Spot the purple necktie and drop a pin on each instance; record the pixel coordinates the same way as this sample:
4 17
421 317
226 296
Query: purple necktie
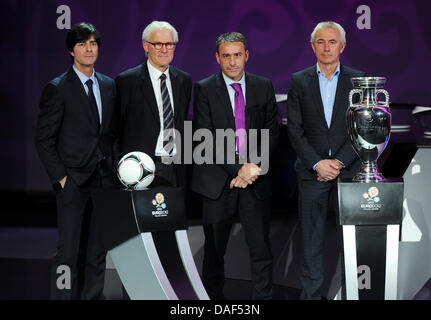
240 120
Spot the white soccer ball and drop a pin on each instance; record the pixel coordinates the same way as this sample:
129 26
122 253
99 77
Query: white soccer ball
136 170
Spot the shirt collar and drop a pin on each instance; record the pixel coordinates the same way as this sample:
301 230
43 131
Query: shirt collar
156 73
229 81
83 78
336 73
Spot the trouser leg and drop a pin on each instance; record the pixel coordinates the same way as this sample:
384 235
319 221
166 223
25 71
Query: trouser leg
255 220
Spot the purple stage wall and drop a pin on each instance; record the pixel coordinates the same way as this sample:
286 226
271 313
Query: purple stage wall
397 46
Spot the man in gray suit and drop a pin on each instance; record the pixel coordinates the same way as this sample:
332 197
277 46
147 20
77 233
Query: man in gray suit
316 111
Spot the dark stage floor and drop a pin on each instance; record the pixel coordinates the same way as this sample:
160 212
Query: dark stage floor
25 260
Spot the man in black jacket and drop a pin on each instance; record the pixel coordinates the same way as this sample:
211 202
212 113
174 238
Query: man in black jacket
235 100
154 99
76 139
316 122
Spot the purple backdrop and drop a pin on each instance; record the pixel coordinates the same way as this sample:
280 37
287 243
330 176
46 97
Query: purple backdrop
397 46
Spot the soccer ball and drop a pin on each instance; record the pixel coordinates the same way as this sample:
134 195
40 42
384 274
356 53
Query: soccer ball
136 170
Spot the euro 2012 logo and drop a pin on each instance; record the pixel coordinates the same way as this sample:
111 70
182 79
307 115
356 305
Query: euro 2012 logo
159 201
372 195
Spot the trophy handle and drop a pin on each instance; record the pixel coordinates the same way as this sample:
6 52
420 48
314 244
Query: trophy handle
352 92
386 103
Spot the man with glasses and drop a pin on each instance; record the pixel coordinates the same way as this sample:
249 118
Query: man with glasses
154 100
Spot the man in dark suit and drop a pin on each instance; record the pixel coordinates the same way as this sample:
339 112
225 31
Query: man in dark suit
76 139
154 98
233 99
316 123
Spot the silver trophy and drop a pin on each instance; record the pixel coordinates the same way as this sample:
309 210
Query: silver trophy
369 124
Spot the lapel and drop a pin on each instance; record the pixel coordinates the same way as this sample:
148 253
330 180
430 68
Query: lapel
81 96
176 91
343 85
147 89
250 98
224 99
315 92
103 96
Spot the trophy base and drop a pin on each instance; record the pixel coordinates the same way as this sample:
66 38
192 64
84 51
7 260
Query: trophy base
367 177
369 173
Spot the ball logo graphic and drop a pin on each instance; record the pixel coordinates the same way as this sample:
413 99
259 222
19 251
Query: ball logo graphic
372 194
159 201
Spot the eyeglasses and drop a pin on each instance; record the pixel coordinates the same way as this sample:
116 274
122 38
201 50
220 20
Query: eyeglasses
159 45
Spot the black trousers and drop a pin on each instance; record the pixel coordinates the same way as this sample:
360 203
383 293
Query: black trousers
78 268
165 174
314 197
254 217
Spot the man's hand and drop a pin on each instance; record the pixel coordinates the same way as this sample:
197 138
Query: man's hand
63 182
328 169
249 172
238 182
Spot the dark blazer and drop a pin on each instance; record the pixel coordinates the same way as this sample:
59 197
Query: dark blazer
213 110
140 121
307 128
67 134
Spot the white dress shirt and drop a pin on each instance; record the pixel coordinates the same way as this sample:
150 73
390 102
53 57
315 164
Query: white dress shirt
328 90
231 90
96 89
155 80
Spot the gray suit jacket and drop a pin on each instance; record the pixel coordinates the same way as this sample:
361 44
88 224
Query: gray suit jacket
307 128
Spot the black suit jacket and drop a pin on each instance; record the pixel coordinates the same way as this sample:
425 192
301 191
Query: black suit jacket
213 110
67 134
307 128
140 121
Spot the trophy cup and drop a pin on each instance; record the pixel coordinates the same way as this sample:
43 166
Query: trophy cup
369 125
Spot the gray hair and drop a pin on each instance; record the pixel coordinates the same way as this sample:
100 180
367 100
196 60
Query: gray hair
231 37
159 25
329 24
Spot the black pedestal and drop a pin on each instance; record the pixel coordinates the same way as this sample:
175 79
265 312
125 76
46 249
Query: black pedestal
145 233
370 215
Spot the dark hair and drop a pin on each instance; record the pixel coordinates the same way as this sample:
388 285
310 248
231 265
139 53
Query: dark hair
231 37
81 32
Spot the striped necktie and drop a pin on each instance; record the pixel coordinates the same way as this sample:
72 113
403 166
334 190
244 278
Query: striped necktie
168 117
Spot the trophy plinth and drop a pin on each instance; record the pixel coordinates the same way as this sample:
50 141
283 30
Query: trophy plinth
369 125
